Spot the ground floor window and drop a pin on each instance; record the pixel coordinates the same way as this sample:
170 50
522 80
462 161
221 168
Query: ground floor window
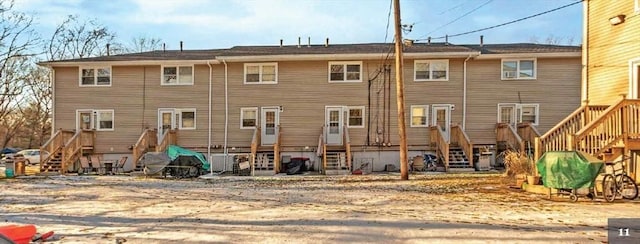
98 119
248 118
512 113
419 115
356 117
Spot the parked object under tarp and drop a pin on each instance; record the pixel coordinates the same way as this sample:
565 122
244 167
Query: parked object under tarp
175 151
298 166
154 162
184 167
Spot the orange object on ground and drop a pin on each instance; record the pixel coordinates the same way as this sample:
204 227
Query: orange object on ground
20 234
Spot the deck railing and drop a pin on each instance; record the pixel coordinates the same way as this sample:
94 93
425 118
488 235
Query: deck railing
170 137
347 145
616 124
276 150
460 137
556 139
255 142
442 144
148 139
506 133
54 145
73 147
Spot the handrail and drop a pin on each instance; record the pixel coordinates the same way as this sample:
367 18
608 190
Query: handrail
71 150
168 138
556 138
347 144
255 140
442 145
505 132
147 139
276 150
463 140
617 122
54 145
319 151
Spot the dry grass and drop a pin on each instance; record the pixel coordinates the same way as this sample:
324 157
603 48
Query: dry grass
517 163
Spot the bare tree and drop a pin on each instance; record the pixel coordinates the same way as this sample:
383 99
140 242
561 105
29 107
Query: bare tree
75 38
553 40
143 44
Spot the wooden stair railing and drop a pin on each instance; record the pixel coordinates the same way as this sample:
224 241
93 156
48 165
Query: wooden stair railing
170 137
506 133
441 143
460 137
276 150
72 151
255 142
612 128
347 145
54 146
556 138
528 132
148 139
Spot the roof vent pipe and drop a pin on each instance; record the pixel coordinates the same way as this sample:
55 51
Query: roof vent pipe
108 49
299 42
164 47
326 42
280 42
446 40
428 40
481 40
180 46
309 42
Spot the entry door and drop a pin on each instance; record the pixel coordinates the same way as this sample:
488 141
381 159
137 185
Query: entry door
85 120
166 121
442 117
334 120
634 84
270 120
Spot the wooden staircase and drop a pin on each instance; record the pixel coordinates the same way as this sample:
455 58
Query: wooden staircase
65 148
606 132
147 142
266 159
521 139
454 151
336 159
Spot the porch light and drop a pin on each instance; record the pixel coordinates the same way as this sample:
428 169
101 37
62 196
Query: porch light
616 20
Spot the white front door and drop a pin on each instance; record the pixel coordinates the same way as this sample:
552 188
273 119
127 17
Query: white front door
634 83
84 120
270 119
166 121
442 117
334 119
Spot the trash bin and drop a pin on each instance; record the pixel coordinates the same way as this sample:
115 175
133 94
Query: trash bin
20 167
9 168
484 161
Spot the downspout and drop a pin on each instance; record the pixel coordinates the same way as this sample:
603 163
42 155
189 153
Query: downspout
464 93
52 76
226 114
585 53
209 123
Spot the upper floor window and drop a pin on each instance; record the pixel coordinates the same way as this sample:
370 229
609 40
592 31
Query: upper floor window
248 118
177 75
263 73
518 69
345 71
356 117
419 115
95 76
431 70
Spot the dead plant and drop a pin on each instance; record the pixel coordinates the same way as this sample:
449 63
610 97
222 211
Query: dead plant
517 163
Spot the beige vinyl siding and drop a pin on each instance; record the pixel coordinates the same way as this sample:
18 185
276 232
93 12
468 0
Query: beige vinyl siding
127 98
610 48
556 90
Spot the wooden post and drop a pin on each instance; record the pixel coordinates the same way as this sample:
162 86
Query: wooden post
404 163
587 113
570 139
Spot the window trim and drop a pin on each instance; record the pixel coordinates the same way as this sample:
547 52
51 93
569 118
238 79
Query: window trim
518 111
426 114
179 111
255 109
429 61
514 113
260 68
97 112
344 64
361 108
95 75
177 66
637 7
518 60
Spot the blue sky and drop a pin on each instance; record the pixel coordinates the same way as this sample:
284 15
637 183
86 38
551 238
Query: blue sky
205 24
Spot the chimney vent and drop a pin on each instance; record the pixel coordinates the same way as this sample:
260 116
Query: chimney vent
446 40
481 40
280 42
428 40
326 42
309 42
164 47
299 42
108 49
180 46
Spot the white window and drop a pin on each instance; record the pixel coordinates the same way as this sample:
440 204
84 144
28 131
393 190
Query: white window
431 70
248 118
637 8
345 71
95 76
104 119
355 117
263 73
513 113
177 75
419 115
518 69
186 118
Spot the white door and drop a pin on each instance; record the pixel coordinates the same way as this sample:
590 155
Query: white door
269 123
634 83
166 121
442 117
334 119
85 120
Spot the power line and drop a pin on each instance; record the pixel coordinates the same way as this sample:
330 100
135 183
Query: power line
388 21
503 24
462 16
452 8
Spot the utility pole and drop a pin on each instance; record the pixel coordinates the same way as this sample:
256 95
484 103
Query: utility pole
404 162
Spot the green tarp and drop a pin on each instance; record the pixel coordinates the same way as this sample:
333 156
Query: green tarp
174 151
568 169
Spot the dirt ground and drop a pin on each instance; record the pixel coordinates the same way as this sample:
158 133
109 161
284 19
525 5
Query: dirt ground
429 208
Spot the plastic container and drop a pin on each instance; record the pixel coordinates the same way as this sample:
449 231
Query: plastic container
8 173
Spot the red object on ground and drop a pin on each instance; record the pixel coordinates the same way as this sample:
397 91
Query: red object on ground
43 237
20 234
357 172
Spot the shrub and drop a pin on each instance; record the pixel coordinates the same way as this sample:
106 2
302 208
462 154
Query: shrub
517 163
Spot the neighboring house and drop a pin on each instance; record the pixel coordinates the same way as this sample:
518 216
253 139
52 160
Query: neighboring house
607 125
334 104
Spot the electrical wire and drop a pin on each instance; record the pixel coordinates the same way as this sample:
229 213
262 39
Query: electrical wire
503 24
462 16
